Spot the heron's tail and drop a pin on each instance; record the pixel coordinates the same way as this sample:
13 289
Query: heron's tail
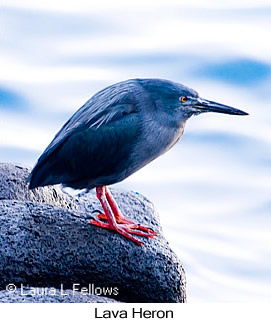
40 176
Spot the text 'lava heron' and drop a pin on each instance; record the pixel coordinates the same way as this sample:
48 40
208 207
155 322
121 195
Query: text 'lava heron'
115 133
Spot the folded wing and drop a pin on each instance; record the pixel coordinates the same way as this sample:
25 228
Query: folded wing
97 122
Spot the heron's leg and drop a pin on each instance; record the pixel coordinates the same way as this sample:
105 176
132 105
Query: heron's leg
119 217
114 207
123 229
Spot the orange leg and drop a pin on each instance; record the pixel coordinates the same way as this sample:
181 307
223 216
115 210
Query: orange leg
113 216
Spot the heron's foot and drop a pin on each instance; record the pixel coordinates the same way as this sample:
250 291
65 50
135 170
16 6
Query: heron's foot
123 220
125 230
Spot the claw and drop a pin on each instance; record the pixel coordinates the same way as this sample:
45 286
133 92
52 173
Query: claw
97 211
92 217
146 229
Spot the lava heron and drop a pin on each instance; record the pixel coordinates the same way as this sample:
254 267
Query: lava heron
115 133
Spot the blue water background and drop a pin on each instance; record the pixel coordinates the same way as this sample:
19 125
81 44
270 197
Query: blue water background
212 190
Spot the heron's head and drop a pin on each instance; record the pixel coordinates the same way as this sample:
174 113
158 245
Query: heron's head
181 101
191 104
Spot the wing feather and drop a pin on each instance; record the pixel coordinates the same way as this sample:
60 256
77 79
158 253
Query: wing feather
108 105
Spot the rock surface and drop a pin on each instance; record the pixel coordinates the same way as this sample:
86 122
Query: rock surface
41 295
46 240
14 186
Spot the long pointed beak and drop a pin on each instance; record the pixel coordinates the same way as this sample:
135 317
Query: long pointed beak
204 105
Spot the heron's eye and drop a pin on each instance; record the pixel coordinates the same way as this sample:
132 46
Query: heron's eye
183 99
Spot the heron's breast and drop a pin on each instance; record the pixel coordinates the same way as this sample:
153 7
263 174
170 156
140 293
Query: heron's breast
164 139
154 141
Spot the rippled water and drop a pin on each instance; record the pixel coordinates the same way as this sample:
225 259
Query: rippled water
212 189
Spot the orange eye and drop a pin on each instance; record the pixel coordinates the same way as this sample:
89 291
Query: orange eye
183 99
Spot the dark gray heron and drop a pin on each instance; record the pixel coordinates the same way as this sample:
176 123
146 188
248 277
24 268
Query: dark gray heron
115 133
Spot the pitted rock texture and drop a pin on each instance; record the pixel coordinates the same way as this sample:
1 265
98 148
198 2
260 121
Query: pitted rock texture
46 240
50 295
14 186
